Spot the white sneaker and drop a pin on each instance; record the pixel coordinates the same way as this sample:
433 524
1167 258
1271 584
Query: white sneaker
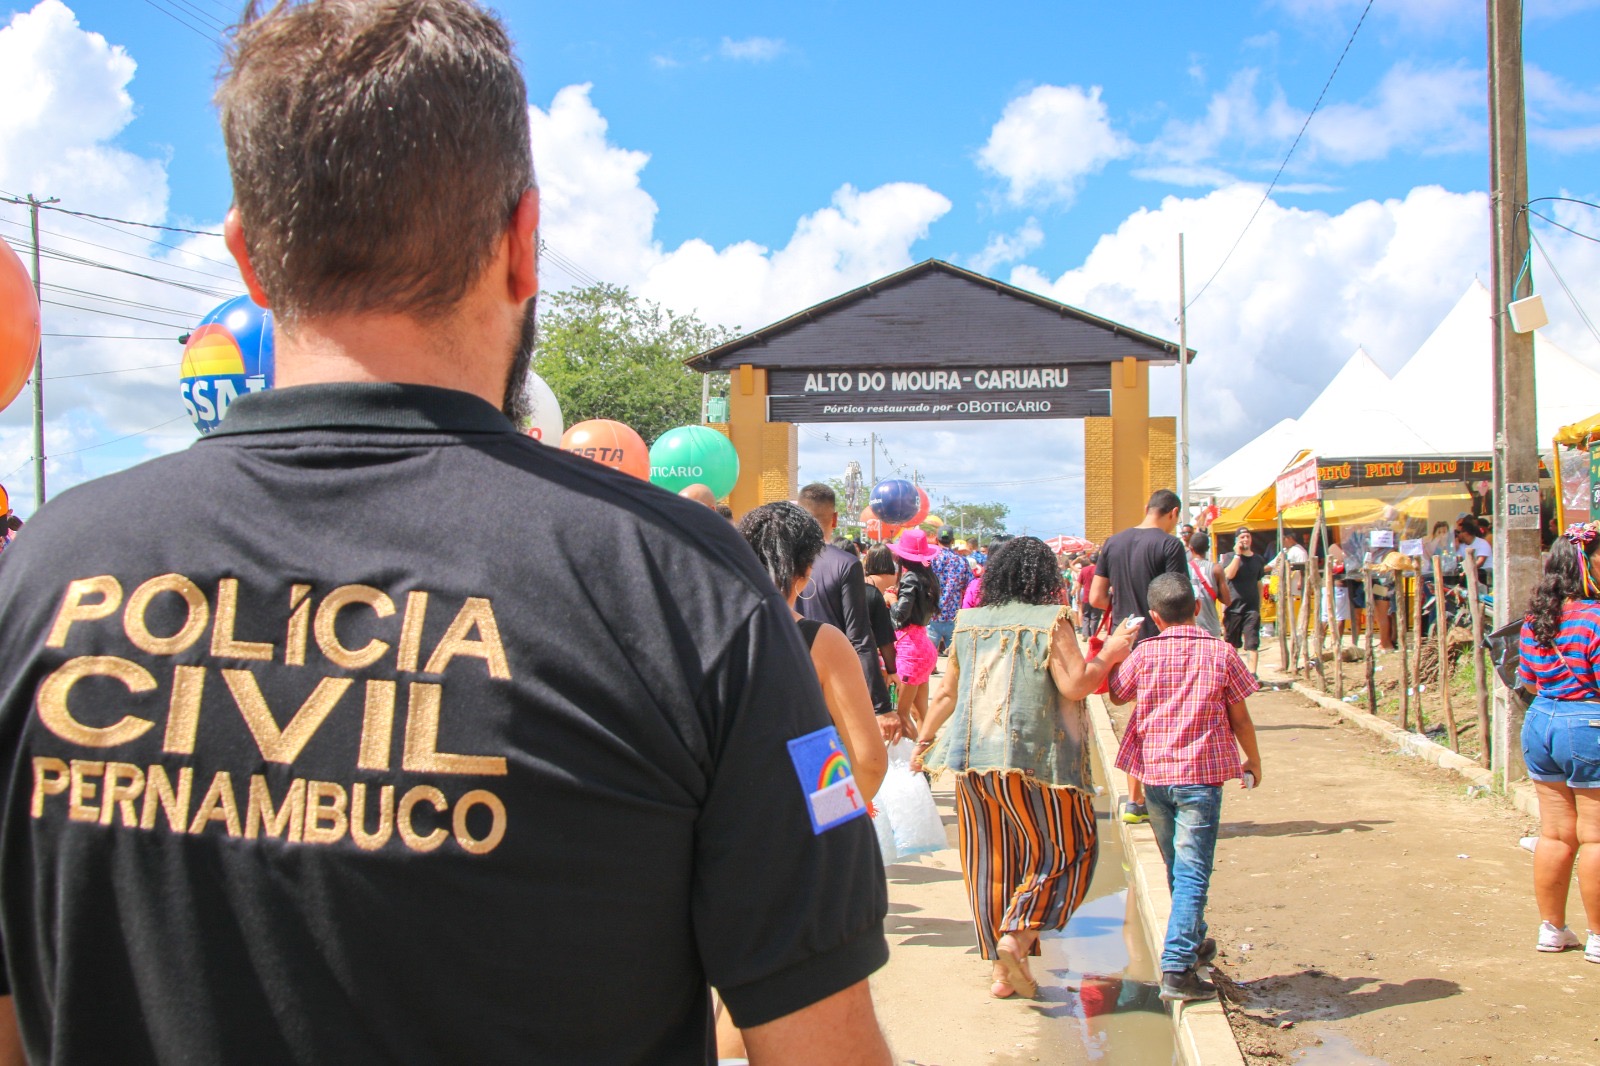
1592 952
1563 939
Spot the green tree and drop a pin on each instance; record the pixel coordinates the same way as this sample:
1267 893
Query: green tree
609 354
965 518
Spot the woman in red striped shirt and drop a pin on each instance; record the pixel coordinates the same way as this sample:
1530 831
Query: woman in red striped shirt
1560 652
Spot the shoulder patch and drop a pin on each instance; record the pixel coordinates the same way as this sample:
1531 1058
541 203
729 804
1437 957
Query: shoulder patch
826 779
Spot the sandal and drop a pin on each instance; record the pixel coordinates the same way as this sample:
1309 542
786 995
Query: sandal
1017 975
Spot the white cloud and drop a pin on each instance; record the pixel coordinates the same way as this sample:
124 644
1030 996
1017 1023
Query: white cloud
597 213
1048 140
51 68
1008 247
752 49
1411 110
1301 292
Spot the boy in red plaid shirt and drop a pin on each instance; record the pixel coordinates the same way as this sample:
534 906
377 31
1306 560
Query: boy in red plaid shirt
1183 742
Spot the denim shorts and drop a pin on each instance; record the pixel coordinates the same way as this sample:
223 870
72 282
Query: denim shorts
1561 742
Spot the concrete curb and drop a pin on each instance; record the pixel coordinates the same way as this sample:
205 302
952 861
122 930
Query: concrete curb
1419 746
1202 1032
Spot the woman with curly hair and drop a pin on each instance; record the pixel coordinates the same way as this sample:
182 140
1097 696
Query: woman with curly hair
788 540
1560 650
1018 743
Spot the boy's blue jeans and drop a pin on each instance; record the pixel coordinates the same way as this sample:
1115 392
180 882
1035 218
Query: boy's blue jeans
1185 820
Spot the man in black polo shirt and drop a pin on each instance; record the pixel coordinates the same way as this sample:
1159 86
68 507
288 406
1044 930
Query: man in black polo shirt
837 595
368 729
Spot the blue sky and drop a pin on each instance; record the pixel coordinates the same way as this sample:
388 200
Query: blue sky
746 160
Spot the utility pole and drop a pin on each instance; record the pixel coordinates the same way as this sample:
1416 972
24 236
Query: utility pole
1516 447
872 462
1183 388
34 203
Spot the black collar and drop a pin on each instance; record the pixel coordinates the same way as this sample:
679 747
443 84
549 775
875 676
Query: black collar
362 405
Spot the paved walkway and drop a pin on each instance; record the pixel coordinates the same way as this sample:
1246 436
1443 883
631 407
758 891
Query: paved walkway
1363 900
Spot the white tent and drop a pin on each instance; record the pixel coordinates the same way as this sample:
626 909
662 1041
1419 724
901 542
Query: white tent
1439 403
1446 390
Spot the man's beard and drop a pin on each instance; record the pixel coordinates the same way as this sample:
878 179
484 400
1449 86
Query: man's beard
518 404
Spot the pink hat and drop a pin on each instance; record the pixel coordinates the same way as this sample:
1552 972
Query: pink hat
913 547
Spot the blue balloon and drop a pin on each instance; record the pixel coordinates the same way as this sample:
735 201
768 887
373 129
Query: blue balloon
229 354
895 501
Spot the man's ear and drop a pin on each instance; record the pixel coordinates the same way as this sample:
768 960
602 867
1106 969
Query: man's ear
523 237
233 237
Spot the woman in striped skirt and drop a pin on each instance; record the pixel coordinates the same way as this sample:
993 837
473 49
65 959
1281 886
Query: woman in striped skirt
1009 721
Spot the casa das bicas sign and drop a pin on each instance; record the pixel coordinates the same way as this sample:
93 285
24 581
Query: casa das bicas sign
938 393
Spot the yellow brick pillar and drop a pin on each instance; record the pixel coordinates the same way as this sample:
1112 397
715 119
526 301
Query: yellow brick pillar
1097 479
1130 442
769 452
1163 454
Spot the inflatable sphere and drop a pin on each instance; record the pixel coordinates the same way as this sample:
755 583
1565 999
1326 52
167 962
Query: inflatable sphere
894 500
694 455
875 528
544 422
228 355
924 505
19 325
609 444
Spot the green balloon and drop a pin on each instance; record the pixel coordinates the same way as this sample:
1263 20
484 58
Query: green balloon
692 455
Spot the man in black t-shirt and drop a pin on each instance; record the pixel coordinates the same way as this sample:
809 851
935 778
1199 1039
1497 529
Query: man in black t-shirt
306 757
1133 558
1241 620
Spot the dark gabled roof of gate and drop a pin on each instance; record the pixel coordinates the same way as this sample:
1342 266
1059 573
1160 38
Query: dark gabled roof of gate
937 314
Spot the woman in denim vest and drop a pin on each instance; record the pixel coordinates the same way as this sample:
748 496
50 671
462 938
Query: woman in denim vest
1560 653
1010 722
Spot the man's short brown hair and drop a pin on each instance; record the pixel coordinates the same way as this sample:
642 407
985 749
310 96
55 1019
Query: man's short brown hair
378 149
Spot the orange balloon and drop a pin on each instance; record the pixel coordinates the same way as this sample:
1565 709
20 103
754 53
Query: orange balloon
609 444
19 325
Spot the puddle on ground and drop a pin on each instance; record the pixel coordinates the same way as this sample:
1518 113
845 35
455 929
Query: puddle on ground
1102 996
1335 1050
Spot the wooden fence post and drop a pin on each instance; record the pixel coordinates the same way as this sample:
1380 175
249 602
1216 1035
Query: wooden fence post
1400 648
1443 626
1416 671
1479 681
1372 684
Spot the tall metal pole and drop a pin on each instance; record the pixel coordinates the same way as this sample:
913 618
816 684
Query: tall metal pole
1516 454
38 362
1183 388
872 451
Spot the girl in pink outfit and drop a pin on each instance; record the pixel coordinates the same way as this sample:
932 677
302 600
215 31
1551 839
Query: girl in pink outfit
916 605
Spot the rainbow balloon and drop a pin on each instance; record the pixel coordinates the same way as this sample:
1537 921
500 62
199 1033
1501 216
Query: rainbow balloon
229 354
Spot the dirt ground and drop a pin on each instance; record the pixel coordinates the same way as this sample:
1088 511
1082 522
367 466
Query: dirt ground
1365 906
1424 708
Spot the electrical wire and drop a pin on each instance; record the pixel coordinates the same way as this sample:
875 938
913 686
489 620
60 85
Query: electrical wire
113 440
112 337
1569 229
1287 156
191 27
121 370
135 255
1576 306
129 222
140 305
114 314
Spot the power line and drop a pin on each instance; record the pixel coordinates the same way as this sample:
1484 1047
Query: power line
113 314
121 370
1287 156
1569 229
135 255
116 440
1576 306
129 222
191 27
112 337
84 294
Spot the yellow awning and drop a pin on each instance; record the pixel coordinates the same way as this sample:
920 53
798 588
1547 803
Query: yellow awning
1578 434
1258 512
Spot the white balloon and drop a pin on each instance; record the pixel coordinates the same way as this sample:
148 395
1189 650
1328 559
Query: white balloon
545 424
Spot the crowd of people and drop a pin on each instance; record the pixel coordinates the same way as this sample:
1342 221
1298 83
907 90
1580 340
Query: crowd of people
307 756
